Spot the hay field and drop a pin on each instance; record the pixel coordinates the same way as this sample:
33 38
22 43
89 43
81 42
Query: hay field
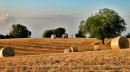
89 61
33 46
46 55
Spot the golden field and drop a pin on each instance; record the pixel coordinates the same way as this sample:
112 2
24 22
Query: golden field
46 55
33 46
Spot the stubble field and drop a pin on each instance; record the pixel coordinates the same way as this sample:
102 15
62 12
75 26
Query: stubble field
46 55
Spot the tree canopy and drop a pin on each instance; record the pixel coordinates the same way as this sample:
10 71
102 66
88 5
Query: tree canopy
19 31
128 35
80 33
58 32
47 33
104 24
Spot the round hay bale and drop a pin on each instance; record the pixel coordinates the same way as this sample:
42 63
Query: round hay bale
97 47
7 52
53 36
65 36
119 43
74 49
67 50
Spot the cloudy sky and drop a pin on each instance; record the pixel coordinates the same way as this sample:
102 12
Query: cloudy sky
39 15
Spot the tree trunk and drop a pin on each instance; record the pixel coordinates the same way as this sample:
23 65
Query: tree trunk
103 41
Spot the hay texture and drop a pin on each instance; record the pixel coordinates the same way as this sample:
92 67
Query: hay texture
53 36
67 50
7 52
65 36
74 49
120 42
97 47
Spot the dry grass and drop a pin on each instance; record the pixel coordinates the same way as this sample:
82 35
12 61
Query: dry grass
51 61
35 46
90 61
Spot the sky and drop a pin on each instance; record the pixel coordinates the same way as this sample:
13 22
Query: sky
58 7
39 15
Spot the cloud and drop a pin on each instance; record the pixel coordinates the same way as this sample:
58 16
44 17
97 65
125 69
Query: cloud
6 22
5 18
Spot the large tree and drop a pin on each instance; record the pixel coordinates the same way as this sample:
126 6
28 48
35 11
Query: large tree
104 24
19 31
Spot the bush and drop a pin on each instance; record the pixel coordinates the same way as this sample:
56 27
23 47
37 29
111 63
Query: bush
47 33
80 35
2 36
58 32
128 35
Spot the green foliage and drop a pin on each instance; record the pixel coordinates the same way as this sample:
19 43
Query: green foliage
92 36
104 24
58 32
128 35
80 35
2 36
5 36
19 31
48 33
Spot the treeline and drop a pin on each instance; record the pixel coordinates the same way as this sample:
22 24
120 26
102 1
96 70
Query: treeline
18 31
58 32
106 23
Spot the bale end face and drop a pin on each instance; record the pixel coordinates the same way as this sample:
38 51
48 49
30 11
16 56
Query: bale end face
120 42
65 36
74 49
53 36
7 52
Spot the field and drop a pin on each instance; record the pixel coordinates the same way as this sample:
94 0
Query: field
46 55
35 46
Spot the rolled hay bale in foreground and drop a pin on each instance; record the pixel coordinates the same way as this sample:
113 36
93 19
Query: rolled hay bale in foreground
120 42
53 36
67 50
74 49
7 52
65 36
